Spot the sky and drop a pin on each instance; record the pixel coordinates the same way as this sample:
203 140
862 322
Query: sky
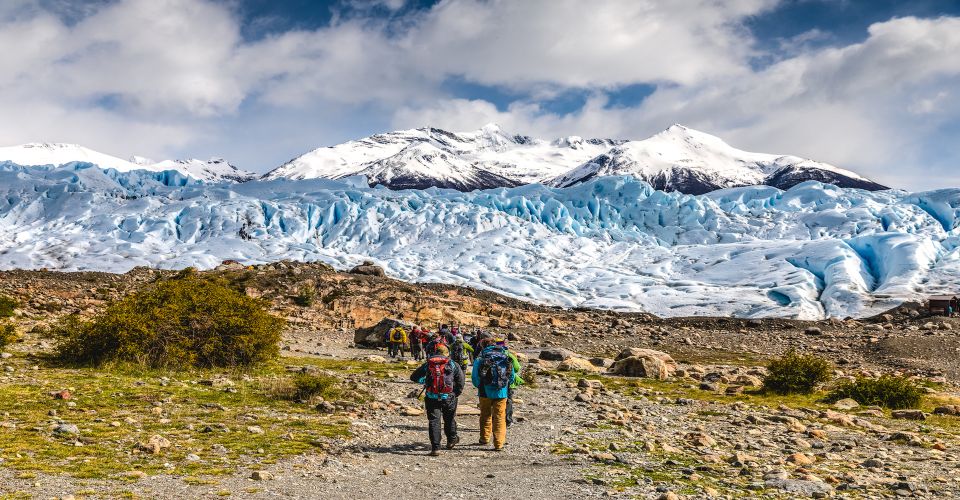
868 85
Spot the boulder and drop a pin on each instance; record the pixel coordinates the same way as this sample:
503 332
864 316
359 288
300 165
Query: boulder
368 268
644 363
376 335
577 365
908 414
556 354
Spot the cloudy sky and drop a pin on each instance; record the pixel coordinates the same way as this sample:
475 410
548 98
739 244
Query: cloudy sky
870 85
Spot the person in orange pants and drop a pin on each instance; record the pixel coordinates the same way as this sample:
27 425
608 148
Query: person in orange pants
492 375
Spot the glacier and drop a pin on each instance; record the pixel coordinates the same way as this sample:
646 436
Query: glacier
809 252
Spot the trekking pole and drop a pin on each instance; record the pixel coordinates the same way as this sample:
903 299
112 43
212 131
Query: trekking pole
422 390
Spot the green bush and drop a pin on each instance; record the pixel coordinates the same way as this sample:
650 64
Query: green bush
305 296
887 391
308 386
796 373
8 334
183 322
7 306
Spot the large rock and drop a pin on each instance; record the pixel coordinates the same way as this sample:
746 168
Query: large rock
368 269
375 336
577 365
648 363
556 354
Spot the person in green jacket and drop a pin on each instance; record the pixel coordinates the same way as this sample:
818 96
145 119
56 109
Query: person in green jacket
517 381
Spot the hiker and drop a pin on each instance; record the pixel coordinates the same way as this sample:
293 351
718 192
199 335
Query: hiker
476 343
436 341
398 339
443 381
417 341
492 375
445 333
460 351
517 381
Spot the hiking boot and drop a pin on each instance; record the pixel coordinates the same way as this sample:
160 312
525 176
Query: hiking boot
483 443
452 442
435 452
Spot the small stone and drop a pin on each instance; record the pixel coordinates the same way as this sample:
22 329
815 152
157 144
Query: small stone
192 457
813 331
154 445
908 414
411 411
701 439
800 459
254 429
66 429
846 404
63 394
261 475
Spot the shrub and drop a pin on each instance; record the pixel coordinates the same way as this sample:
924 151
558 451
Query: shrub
8 334
887 391
308 386
796 373
305 296
182 322
7 306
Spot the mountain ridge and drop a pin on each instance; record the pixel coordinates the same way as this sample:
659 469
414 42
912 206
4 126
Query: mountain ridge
677 159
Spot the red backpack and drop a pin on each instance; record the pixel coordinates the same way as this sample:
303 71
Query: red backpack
436 380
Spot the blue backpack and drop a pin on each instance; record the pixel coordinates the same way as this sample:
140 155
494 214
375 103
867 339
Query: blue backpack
496 368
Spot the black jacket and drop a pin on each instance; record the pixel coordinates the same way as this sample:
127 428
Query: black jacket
453 376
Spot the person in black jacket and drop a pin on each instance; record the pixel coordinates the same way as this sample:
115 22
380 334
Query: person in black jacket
440 396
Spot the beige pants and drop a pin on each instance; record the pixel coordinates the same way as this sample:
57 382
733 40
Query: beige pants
493 420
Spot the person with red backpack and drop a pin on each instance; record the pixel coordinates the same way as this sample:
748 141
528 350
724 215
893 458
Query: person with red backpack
443 381
492 375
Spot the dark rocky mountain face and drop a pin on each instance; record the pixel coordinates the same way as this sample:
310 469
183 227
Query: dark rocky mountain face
788 177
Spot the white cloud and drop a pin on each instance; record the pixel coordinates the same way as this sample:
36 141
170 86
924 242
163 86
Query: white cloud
871 106
159 76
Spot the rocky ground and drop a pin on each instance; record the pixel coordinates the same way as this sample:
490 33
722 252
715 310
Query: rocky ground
703 432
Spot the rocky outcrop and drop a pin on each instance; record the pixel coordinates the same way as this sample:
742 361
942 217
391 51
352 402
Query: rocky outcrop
368 268
648 363
376 335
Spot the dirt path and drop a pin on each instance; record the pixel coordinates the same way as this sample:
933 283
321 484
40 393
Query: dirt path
386 458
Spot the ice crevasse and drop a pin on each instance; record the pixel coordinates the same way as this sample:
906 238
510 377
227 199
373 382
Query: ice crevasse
809 252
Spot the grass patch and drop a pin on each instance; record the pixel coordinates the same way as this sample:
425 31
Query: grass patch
114 410
887 391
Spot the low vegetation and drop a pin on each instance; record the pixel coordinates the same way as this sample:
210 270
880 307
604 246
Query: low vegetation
215 421
306 296
796 373
7 306
8 334
887 391
182 322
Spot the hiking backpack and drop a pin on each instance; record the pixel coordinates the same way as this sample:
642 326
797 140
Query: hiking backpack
496 368
436 381
456 351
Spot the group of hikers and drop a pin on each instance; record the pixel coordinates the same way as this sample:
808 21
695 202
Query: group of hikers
495 372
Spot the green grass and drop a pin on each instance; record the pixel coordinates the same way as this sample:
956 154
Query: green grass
118 392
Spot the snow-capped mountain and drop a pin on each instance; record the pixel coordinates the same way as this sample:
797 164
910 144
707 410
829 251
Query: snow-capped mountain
692 162
677 159
489 157
811 251
423 165
57 154
212 170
